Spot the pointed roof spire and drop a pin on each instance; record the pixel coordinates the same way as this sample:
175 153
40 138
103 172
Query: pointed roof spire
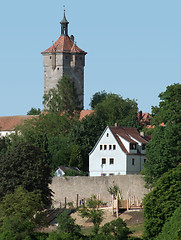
64 20
64 26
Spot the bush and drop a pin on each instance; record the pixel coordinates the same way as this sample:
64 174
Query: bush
172 227
160 204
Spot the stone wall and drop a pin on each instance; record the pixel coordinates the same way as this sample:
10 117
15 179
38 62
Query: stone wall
69 187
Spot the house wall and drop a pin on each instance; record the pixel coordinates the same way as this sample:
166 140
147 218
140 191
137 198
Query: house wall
138 164
69 187
95 158
6 133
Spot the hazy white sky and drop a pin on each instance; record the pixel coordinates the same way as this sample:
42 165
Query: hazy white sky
134 48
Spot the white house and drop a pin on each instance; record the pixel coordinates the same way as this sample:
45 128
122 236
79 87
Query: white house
119 150
62 170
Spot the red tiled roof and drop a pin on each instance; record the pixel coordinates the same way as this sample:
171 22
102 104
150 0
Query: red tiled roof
126 133
64 44
85 113
10 122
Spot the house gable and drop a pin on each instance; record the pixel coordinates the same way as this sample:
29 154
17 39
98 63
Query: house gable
118 151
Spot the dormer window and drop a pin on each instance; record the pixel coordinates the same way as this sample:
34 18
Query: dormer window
132 146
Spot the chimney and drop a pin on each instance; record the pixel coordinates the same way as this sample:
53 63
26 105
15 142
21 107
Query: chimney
140 115
115 124
142 134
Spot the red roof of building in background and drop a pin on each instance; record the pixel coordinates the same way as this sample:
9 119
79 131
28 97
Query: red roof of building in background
64 44
9 123
85 113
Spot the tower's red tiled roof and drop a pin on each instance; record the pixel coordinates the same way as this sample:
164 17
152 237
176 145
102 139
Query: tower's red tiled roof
64 44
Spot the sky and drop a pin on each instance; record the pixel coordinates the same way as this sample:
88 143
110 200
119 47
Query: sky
133 46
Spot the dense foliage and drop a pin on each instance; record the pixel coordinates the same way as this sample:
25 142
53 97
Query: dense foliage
23 164
34 111
98 97
114 109
164 150
169 110
160 204
172 227
20 214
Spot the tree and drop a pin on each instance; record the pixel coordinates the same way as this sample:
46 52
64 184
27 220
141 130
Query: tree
49 132
172 226
98 97
169 110
92 212
67 229
160 204
20 214
63 98
34 111
114 109
85 134
116 228
163 152
23 164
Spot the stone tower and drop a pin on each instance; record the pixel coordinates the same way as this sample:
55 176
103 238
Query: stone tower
64 57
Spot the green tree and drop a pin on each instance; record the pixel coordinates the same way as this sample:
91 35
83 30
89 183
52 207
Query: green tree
34 111
160 204
49 132
172 226
20 214
116 228
23 164
169 110
63 98
67 229
92 212
114 109
85 134
98 97
163 152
